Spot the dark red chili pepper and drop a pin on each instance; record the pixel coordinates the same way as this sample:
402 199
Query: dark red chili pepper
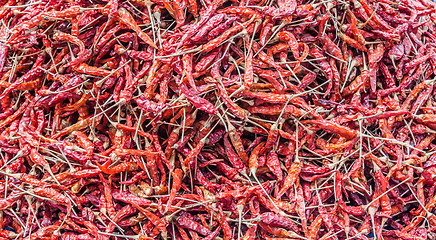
126 18
221 28
185 221
197 101
353 43
374 56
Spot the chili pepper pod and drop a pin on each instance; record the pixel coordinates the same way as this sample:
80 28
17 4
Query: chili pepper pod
217 41
253 160
126 166
125 17
290 39
274 165
277 220
357 83
374 56
353 43
3 49
232 106
186 222
53 195
291 178
177 176
198 102
208 27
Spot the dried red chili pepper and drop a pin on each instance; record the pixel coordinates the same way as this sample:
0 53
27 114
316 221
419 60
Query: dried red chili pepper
374 56
246 64
353 43
177 176
126 18
186 222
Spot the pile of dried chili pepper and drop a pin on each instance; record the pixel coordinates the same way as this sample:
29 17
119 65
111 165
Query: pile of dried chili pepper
217 119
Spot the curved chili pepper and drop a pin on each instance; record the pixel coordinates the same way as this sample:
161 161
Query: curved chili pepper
325 66
241 11
197 101
126 18
353 43
122 167
186 222
277 220
177 176
374 56
273 164
53 195
331 47
217 41
253 163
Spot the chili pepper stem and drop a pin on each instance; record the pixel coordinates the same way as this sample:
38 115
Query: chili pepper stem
350 66
393 61
371 212
240 209
100 82
18 155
